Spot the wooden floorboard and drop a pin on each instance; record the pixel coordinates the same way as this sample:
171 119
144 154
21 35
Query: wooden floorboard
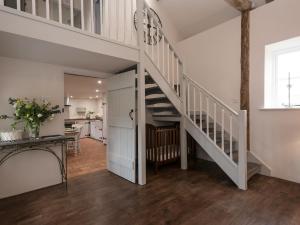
202 195
92 158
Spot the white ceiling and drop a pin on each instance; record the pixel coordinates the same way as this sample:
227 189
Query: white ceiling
80 87
194 16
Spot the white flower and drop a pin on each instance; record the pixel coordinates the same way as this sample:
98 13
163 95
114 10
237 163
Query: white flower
30 119
39 115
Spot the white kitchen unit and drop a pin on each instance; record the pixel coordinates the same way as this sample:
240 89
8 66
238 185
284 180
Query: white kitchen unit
86 128
97 129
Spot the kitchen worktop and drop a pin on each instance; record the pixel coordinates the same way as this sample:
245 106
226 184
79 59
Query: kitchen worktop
72 119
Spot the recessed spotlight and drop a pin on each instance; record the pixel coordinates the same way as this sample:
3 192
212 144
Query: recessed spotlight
99 82
97 96
97 90
91 97
71 96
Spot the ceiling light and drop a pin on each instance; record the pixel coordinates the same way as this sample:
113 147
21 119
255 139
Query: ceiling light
97 96
71 96
91 97
99 81
97 90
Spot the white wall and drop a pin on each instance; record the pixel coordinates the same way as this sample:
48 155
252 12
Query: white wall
92 105
19 78
212 59
275 134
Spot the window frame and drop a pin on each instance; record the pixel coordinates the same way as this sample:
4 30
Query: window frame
271 76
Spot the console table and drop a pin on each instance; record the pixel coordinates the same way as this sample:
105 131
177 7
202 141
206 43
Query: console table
45 143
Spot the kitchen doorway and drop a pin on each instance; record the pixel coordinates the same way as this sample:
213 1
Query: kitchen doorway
85 120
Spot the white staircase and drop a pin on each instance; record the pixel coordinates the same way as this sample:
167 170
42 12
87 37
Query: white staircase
173 96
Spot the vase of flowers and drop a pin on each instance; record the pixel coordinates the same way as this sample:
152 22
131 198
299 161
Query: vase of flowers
31 113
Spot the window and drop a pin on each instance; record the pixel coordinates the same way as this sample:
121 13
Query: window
282 81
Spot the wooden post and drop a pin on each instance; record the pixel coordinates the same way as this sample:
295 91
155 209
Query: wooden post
245 69
141 98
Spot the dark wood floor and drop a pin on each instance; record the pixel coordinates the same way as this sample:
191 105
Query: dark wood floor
203 195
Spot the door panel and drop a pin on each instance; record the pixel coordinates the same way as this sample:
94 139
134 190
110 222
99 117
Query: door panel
121 125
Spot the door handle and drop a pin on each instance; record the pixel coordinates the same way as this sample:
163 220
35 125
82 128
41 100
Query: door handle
130 114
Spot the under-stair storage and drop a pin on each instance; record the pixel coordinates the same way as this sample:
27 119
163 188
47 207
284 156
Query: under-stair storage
162 145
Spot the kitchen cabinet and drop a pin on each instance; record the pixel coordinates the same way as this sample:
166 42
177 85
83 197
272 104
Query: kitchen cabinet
97 129
85 128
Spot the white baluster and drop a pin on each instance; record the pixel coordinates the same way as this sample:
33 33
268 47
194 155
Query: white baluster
152 42
194 93
147 31
117 19
230 131
108 3
157 47
101 17
47 9
207 116
200 109
188 99
59 11
125 19
173 70
215 123
168 61
132 19
82 14
92 16
19 5
1 2
242 154
163 54
72 12
33 7
177 76
222 129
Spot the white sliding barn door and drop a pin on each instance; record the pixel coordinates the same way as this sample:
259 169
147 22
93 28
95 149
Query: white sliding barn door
121 125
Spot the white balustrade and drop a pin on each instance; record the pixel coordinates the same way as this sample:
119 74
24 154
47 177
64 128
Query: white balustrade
219 118
115 20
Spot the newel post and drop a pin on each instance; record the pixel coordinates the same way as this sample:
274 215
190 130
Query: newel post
1 2
183 137
141 96
242 161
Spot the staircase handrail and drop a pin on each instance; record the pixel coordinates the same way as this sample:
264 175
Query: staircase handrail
211 95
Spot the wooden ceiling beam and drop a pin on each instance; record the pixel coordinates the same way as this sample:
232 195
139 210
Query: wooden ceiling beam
241 5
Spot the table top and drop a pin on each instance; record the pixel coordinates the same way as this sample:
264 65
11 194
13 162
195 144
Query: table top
38 141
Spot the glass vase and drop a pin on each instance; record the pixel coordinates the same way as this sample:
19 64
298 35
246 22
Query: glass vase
34 132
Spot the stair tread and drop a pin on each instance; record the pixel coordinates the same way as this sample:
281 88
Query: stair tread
155 96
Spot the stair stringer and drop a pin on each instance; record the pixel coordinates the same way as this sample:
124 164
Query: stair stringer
163 84
230 168
253 158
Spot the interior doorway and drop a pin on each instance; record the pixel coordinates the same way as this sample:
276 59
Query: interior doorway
85 121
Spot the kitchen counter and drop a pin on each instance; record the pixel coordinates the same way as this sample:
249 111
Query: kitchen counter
92 128
74 119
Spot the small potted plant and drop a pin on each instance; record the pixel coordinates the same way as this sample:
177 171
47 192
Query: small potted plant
31 113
